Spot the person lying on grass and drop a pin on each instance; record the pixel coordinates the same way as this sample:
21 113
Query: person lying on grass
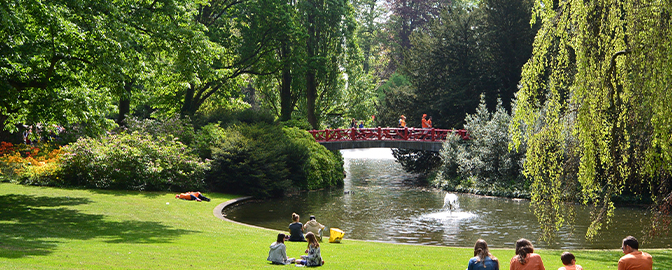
192 196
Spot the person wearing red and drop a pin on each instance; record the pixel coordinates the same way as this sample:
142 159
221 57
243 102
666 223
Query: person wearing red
525 258
633 258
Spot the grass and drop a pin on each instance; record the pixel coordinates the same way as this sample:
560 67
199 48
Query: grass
53 228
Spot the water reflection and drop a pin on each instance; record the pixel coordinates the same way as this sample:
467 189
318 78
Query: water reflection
377 203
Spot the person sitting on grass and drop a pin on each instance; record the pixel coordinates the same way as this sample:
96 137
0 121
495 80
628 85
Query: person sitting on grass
482 259
633 258
525 258
192 196
569 261
296 229
278 252
314 258
315 227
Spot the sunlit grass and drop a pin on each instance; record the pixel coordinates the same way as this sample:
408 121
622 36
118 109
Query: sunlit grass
52 228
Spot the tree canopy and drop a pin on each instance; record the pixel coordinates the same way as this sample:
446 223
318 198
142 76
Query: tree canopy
594 110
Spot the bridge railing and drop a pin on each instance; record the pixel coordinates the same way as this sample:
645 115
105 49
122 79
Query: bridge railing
386 134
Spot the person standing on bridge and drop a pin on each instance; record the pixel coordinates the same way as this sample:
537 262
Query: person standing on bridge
353 123
402 121
425 123
429 122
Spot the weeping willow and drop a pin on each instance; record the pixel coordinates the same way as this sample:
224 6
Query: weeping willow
594 109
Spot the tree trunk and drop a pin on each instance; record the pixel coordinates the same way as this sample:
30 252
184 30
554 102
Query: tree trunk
311 84
125 104
286 104
188 102
311 96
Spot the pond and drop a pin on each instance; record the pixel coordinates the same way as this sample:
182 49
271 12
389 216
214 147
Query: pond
378 202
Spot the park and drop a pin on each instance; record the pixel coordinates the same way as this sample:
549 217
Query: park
157 134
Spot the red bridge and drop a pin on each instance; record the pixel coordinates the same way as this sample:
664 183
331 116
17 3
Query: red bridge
409 138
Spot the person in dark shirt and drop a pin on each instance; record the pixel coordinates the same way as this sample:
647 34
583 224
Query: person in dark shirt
296 229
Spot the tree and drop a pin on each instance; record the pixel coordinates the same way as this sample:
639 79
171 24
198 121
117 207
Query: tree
507 38
599 76
407 17
445 67
330 28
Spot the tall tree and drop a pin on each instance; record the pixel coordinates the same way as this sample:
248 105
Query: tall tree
330 29
445 66
407 17
61 60
599 77
237 39
507 38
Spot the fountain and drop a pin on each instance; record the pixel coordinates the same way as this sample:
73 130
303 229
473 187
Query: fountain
450 202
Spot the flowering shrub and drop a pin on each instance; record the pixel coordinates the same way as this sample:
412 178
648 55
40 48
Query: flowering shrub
29 164
133 161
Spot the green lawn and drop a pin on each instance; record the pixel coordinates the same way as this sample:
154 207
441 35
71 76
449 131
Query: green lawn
52 228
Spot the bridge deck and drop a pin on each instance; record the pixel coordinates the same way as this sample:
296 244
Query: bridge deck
409 138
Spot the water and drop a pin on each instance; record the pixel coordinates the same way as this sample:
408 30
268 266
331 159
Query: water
378 203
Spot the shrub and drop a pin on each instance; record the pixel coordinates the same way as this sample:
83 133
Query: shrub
227 117
484 162
134 161
208 136
26 164
265 160
298 123
323 168
250 159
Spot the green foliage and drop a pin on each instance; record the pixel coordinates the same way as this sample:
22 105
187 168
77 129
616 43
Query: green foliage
227 117
591 108
265 160
323 168
484 162
133 161
180 128
471 48
298 123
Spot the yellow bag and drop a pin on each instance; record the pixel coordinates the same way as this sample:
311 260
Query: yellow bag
335 235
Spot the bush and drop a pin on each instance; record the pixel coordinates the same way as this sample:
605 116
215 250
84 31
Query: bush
298 123
34 165
133 161
265 160
324 168
483 163
250 160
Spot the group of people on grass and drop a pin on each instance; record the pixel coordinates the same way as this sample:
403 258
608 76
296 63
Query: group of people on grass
526 259
313 229
426 122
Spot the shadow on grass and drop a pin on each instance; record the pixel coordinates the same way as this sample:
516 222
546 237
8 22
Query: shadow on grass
31 226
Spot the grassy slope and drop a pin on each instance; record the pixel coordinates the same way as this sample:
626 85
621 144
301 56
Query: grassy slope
51 228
